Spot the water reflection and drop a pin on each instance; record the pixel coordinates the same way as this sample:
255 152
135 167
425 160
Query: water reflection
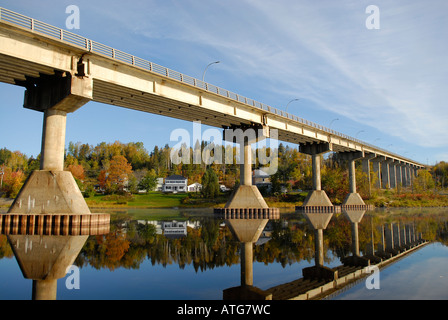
45 259
247 231
207 244
46 245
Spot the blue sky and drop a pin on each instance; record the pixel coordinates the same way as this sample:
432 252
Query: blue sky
385 86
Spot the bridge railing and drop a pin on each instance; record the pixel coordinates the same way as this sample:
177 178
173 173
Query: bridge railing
99 48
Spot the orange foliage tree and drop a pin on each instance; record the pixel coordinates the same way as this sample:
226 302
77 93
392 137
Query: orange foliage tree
117 176
12 181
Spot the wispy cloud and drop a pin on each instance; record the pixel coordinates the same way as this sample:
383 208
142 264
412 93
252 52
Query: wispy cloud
392 79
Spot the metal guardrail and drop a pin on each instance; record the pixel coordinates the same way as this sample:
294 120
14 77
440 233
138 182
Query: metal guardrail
98 48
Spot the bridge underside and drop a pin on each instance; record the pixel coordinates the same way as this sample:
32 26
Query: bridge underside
20 72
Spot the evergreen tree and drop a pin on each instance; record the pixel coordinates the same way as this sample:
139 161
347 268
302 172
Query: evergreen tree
210 184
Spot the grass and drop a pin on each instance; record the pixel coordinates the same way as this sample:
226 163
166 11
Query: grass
389 198
150 200
154 200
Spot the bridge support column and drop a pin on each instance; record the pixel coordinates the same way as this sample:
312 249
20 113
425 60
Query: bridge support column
317 197
408 175
366 169
376 163
53 140
52 214
404 175
353 198
51 189
385 174
393 174
247 195
399 173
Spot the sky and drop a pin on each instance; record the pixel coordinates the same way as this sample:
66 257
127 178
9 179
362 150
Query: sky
386 85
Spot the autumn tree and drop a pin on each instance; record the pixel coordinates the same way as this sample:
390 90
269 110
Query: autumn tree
424 181
118 174
11 181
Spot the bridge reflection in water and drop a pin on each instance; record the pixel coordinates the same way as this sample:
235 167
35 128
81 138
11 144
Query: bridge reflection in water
44 252
46 245
319 281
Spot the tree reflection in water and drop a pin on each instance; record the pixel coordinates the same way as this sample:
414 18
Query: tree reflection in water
208 243
211 244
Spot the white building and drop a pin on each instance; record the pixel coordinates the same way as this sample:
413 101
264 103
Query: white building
195 187
261 179
174 229
159 186
175 183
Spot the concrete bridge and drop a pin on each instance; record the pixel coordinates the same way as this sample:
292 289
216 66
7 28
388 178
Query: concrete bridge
61 71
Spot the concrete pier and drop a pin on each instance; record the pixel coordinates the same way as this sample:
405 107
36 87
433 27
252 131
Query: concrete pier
393 174
385 174
366 169
317 197
353 198
49 220
246 198
52 190
376 164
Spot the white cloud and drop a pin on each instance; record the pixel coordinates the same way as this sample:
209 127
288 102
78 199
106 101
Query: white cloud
392 79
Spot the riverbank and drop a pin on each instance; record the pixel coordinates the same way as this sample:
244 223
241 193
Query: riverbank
380 199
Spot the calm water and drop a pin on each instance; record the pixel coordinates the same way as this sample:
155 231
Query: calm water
176 254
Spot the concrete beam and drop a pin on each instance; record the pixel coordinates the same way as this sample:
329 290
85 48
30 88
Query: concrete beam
62 92
350 156
315 148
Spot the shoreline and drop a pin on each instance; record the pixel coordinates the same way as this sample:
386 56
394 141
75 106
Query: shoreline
7 203
166 201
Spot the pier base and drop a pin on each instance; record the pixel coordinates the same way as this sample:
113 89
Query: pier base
49 192
317 198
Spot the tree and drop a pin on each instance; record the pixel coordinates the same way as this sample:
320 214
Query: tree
210 184
78 174
118 174
12 181
149 181
424 181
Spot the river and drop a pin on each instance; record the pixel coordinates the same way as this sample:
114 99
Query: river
187 254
